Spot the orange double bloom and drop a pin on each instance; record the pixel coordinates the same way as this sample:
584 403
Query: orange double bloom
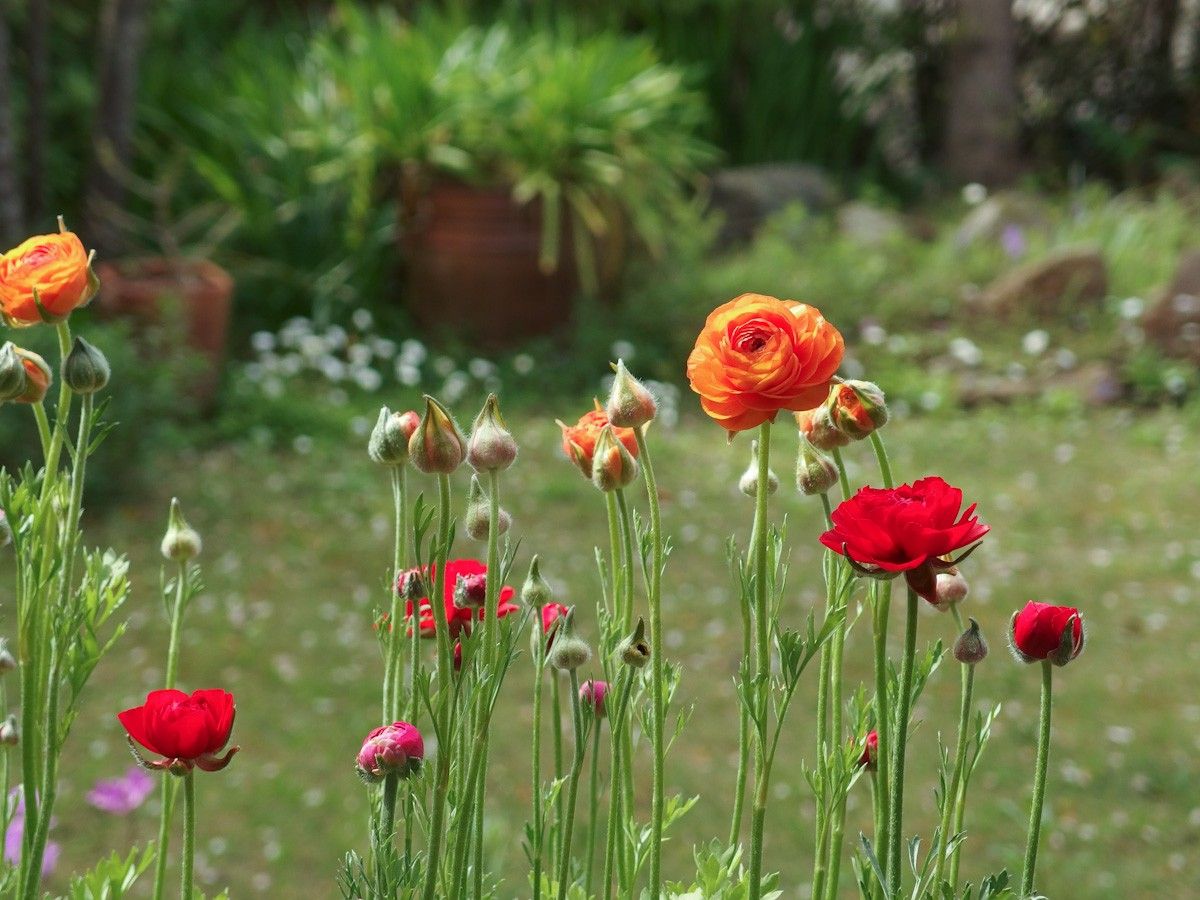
55 268
758 355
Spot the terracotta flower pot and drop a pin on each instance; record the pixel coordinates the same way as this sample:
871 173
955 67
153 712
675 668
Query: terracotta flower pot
142 289
471 256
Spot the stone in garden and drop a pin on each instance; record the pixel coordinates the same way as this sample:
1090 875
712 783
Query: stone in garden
1172 325
869 225
1049 288
1001 213
749 195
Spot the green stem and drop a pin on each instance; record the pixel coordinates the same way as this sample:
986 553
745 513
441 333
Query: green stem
43 426
1039 783
593 807
658 664
445 689
395 640
627 568
613 594
614 839
536 810
904 701
168 784
762 673
881 596
950 800
189 836
837 828
556 734
881 455
387 827
564 862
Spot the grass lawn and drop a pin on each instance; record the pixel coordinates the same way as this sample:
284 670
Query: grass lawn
1096 511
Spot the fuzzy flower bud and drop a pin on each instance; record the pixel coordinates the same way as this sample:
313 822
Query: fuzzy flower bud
38 377
857 408
7 663
613 466
395 749
634 650
12 373
535 592
479 513
816 473
10 732
85 370
630 404
410 585
748 483
6 535
471 590
817 426
181 542
949 589
491 446
437 447
592 694
388 444
568 651
971 648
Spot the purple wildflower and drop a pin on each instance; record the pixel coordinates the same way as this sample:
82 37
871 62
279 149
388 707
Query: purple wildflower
123 795
15 832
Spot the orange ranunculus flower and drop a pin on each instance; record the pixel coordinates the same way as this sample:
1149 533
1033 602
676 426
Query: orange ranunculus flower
55 267
37 376
757 355
579 440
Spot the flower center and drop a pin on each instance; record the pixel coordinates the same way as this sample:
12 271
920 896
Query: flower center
751 337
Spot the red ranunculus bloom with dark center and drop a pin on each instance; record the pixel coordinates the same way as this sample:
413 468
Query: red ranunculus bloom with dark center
186 730
459 618
1044 631
908 529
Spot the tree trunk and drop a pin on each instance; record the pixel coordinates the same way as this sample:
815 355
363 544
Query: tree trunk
122 27
981 94
37 125
12 219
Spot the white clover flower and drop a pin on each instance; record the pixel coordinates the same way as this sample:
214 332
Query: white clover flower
311 346
367 379
873 333
522 363
359 354
333 368
407 375
480 368
335 337
1036 342
974 193
444 366
383 348
965 351
362 319
413 352
262 341
623 350
455 386
1131 308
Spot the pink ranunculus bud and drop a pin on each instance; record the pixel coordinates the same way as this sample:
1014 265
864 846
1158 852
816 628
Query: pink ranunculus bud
949 589
1045 631
870 752
471 590
395 749
592 694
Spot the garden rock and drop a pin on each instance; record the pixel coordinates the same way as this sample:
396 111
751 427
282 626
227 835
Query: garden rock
1048 288
748 195
1172 325
991 219
869 225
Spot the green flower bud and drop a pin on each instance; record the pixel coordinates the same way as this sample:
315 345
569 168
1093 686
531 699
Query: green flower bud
491 446
568 651
613 466
816 473
437 447
971 648
181 542
630 404
85 370
7 662
535 592
748 483
10 732
633 650
12 373
479 513
388 444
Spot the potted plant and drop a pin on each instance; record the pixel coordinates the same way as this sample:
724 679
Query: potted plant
527 160
178 284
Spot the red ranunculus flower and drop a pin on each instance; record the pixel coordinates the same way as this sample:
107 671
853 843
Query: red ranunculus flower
1044 631
186 730
458 617
906 529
